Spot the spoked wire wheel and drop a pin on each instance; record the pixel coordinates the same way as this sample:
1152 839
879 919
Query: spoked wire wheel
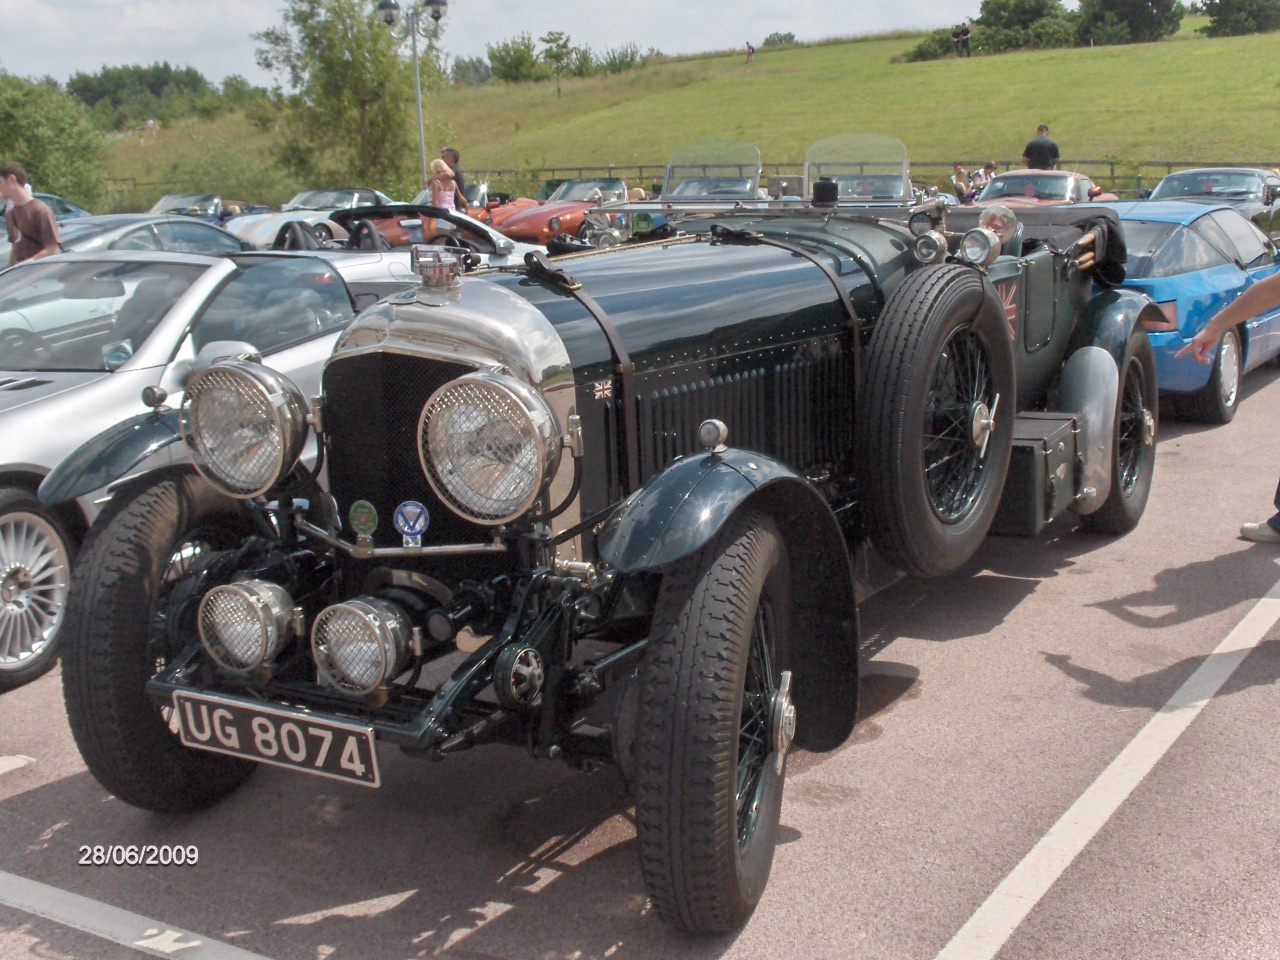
958 420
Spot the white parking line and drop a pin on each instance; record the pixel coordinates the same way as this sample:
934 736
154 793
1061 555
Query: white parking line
987 930
111 923
15 762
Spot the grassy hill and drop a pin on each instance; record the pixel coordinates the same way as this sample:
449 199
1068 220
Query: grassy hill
1187 99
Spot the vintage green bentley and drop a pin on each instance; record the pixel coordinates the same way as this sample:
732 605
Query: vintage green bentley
615 508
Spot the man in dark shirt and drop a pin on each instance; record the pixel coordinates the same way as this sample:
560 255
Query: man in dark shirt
450 156
31 226
1041 153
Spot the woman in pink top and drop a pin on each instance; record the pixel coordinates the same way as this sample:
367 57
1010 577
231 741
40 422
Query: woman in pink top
442 185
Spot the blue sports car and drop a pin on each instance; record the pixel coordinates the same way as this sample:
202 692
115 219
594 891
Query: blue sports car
1193 259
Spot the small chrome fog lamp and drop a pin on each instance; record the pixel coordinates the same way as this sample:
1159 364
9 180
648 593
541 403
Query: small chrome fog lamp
930 247
554 224
361 644
1000 220
980 247
245 426
921 222
244 625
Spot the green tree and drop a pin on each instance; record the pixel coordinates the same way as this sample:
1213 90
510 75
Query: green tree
350 115
515 60
54 138
1146 20
558 52
1017 14
1233 18
471 71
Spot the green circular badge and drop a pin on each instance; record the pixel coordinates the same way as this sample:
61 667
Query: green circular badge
644 222
363 516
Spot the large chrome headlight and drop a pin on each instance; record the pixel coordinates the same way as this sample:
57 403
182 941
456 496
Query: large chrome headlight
245 426
980 247
488 445
244 625
554 224
361 644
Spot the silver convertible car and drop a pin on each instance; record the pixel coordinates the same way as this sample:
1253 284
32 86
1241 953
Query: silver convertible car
81 337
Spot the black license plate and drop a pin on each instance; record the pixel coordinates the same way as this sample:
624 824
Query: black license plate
285 738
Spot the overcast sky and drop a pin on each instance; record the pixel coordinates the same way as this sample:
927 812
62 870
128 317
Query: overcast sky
58 38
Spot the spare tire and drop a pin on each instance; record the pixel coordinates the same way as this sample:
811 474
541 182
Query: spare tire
935 421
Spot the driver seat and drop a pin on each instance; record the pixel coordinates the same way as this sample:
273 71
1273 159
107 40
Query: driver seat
368 237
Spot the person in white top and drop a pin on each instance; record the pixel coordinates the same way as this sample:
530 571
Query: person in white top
442 185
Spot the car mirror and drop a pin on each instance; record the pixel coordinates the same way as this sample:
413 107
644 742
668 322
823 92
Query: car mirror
246 245
364 300
1144 194
504 245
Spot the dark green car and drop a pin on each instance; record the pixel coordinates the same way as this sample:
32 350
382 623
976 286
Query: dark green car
641 489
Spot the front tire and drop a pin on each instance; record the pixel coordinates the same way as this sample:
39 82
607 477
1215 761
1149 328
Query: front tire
935 425
35 573
116 640
715 723
1133 447
1217 401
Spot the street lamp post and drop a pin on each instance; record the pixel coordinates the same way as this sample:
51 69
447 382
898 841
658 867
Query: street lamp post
411 27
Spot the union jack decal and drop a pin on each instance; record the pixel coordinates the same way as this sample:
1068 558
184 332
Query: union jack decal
603 389
1008 290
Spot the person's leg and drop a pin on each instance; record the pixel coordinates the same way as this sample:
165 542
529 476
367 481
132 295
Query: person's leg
1268 532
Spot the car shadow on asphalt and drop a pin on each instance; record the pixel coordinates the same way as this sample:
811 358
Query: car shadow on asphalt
488 854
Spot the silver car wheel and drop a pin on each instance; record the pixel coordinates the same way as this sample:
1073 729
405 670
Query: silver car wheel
1229 359
34 575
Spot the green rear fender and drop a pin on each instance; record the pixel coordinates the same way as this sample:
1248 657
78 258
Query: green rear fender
680 510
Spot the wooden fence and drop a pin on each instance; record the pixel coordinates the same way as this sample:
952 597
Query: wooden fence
1122 177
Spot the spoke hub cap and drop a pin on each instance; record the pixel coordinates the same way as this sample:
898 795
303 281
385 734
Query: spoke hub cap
1148 427
13 589
981 423
782 718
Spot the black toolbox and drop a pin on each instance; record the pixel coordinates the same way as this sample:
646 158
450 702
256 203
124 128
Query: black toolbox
1043 473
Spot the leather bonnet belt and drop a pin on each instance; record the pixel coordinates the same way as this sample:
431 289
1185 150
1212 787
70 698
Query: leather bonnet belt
541 268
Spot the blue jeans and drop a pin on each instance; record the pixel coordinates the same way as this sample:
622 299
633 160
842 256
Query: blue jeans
1275 521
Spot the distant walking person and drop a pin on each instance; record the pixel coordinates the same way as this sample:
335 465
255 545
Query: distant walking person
31 226
1041 153
450 156
751 51
442 185
964 40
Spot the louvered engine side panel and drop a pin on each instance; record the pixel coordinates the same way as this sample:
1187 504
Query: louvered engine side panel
795 407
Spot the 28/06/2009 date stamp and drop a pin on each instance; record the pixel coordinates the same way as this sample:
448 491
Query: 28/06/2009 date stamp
145 855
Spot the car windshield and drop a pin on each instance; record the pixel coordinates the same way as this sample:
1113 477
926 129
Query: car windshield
322 200
1027 185
595 191
274 302
713 168
863 165
84 316
203 204
1208 183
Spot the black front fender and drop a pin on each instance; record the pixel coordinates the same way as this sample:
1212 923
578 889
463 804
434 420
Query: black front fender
110 455
680 511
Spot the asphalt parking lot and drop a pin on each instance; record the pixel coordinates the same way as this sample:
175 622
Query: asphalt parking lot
979 810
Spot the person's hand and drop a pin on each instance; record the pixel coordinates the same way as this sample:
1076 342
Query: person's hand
1200 346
